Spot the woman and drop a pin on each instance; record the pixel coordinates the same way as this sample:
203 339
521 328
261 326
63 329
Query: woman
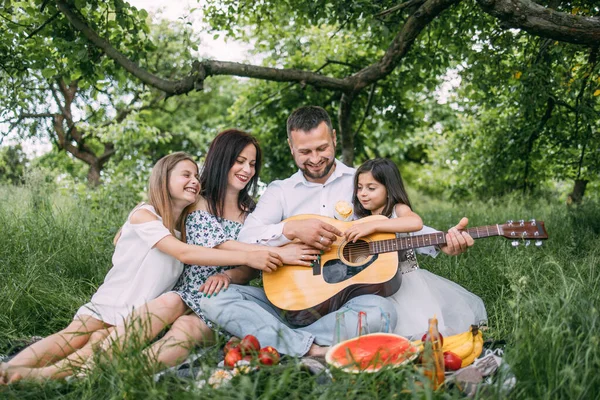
229 179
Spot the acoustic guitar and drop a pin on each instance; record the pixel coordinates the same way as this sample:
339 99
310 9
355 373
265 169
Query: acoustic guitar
371 260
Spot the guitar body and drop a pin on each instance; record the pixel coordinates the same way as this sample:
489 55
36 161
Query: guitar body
294 287
369 266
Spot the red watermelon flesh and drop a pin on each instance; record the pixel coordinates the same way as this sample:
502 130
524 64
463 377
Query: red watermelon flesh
371 352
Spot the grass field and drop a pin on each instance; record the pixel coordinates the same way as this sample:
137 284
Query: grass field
55 250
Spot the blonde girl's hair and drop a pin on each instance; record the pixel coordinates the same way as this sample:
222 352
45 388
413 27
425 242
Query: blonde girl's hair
158 191
159 196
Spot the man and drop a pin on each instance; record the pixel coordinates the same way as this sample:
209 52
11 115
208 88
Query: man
319 184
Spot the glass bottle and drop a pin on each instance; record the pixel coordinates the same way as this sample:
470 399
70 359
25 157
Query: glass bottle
385 322
362 328
339 332
433 355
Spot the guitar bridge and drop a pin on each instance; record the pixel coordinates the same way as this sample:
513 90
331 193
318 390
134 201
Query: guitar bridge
316 266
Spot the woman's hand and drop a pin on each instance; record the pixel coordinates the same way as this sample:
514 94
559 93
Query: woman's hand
297 254
263 260
357 231
215 283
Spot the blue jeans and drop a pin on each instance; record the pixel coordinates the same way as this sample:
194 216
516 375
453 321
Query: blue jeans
245 310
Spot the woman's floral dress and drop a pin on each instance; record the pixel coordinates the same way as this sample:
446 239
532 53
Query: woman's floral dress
206 230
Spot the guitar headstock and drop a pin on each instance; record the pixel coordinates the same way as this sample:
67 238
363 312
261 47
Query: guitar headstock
524 230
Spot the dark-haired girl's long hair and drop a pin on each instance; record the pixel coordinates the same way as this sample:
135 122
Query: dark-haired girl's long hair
385 172
222 154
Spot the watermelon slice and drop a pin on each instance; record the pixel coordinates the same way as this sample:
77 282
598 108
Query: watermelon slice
370 353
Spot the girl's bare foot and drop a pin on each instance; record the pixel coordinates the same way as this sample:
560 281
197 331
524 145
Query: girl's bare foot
2 375
10 375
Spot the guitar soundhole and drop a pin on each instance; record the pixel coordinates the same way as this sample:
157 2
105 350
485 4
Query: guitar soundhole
354 258
356 252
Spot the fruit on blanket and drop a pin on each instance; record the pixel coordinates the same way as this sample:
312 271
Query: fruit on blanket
249 345
268 356
232 357
454 340
231 344
467 345
452 362
464 348
425 338
477 349
369 353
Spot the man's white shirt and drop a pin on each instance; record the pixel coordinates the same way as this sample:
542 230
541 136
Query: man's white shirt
293 196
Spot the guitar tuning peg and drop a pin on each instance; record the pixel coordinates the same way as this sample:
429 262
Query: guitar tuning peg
533 223
522 222
509 222
515 243
538 243
527 242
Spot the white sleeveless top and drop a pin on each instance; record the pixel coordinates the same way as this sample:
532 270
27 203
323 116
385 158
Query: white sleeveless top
140 271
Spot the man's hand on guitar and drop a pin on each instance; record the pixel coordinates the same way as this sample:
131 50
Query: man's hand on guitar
357 231
297 254
312 232
457 242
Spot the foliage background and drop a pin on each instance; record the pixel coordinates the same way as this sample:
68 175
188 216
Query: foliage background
510 141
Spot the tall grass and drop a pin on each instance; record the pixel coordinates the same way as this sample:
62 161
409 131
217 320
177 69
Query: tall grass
55 249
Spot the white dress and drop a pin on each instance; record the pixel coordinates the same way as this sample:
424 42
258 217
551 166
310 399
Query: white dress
140 272
423 294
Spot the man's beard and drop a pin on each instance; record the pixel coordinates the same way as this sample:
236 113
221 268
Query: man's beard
326 170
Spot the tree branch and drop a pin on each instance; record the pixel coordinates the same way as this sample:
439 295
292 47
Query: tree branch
36 115
399 7
274 74
36 30
546 22
401 43
170 87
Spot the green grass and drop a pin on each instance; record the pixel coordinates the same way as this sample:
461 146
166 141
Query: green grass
55 249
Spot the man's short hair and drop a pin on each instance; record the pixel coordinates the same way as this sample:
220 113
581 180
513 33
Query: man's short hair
307 118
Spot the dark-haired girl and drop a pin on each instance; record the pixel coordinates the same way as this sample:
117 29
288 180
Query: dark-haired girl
380 190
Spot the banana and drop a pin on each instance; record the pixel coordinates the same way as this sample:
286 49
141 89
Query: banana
463 349
477 349
455 340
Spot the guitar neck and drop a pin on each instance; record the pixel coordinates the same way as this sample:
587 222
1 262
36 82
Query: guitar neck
431 239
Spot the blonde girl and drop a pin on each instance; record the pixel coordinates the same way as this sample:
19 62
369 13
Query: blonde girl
147 261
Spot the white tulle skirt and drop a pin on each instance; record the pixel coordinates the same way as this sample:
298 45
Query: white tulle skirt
424 294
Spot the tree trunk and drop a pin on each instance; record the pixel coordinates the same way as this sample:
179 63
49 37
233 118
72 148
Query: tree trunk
345 129
93 175
576 196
